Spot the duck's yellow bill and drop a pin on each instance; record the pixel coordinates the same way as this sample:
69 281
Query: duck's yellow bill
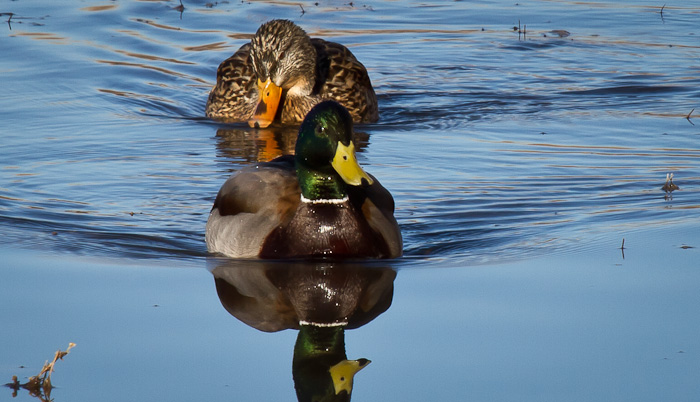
345 163
344 372
266 110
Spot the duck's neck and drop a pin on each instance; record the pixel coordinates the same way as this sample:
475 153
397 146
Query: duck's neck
313 341
318 186
296 106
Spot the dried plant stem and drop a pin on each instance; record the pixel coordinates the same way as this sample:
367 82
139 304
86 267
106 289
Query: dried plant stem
40 384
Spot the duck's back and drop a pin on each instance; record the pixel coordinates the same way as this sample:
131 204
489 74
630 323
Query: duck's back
341 77
235 95
250 205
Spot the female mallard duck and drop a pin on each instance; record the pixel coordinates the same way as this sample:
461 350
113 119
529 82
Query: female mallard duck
316 203
283 66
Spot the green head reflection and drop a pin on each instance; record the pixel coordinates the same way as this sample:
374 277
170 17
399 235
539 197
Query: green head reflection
320 367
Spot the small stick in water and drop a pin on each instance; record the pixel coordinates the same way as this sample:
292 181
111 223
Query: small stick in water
622 248
669 186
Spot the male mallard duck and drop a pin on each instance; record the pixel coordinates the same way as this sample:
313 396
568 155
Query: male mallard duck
283 66
316 203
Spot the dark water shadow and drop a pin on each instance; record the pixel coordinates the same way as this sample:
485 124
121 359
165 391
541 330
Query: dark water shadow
629 90
77 233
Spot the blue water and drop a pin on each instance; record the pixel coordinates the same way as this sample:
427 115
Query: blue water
519 161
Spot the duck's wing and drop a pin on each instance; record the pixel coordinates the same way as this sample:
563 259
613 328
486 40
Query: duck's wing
234 96
250 205
259 187
377 206
341 77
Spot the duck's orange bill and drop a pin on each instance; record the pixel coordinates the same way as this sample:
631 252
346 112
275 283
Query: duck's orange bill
266 110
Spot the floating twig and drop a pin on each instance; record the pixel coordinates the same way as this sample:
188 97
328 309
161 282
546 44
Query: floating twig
622 248
302 9
688 117
522 31
180 8
669 186
9 19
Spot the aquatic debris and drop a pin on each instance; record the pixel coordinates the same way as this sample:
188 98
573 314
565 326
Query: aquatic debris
522 32
669 187
560 33
688 117
180 8
622 248
8 19
40 384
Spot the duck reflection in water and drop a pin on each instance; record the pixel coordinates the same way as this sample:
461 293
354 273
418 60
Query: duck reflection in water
266 144
321 299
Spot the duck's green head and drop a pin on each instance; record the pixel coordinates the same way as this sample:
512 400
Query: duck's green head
325 153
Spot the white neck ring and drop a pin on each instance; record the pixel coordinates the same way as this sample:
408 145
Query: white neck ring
325 200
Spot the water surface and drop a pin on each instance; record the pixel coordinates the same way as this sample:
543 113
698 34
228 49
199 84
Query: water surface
519 160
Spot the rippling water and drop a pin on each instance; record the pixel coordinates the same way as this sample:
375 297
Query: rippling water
496 142
507 130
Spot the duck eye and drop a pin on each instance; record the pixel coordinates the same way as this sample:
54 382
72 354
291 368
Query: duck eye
320 129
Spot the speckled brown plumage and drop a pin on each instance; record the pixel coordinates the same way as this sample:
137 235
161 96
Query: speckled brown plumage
235 95
332 72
